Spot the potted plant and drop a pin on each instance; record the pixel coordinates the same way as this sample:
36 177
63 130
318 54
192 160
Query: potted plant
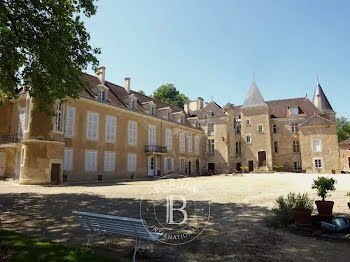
302 209
278 167
244 169
323 185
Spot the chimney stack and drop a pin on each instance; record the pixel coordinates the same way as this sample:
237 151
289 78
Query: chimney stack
101 73
127 84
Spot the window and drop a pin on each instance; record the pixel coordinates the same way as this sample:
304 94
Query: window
91 160
22 117
132 132
294 111
275 148
238 129
189 144
110 129
67 159
182 164
109 161
297 166
274 129
92 126
248 139
318 163
168 164
169 139
296 146
197 125
58 126
210 114
151 135
182 143
182 120
316 145
69 127
238 148
152 111
247 122
260 128
211 146
210 129
169 116
295 128
131 162
102 95
196 145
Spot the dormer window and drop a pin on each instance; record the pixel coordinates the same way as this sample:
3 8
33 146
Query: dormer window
210 114
168 117
182 120
294 111
132 102
152 111
102 95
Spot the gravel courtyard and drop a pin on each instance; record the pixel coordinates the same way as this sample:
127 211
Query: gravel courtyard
236 230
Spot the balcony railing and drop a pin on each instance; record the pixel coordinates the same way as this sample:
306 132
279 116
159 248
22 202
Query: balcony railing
155 149
11 139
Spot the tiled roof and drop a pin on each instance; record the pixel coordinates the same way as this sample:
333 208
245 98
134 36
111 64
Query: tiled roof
325 106
317 120
211 107
345 142
118 96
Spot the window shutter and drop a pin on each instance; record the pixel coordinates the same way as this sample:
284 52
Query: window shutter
165 164
172 164
70 115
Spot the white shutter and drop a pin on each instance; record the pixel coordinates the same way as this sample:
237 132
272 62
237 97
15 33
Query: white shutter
109 162
196 145
189 144
92 126
169 139
172 164
182 143
91 160
132 133
69 127
151 135
166 164
110 128
131 162
67 160
22 115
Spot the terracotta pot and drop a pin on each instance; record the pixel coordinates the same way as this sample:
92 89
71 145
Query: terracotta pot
325 208
302 216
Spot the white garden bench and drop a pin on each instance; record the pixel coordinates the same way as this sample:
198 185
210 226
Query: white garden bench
99 224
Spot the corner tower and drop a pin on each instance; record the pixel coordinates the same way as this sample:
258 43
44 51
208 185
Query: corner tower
321 102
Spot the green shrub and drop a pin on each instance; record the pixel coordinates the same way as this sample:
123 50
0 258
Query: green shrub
244 168
277 166
282 212
323 185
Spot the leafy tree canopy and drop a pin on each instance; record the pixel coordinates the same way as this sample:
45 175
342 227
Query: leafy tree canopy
44 48
141 92
343 128
168 93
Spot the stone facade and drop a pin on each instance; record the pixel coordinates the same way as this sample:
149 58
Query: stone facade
345 155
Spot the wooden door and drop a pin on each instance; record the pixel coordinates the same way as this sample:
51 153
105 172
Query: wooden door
251 166
262 158
189 168
55 174
349 161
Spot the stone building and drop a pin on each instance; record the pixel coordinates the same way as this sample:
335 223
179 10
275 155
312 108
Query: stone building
298 134
345 154
110 132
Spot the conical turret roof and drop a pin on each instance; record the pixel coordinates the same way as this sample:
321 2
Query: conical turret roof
320 100
254 97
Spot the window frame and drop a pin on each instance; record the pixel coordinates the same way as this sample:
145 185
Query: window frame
296 145
211 146
110 138
89 113
70 167
111 156
295 128
58 121
182 146
318 163
132 168
320 145
275 146
132 133
274 129
68 109
88 161
250 138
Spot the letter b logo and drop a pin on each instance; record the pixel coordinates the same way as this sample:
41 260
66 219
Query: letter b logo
170 210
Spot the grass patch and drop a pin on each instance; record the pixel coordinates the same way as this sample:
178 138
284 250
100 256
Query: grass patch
17 247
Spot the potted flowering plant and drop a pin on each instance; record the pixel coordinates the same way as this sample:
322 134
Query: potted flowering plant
323 185
244 169
302 209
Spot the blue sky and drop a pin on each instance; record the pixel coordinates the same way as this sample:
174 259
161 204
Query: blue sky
212 48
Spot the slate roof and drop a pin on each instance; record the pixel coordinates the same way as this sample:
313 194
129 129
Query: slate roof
345 142
254 97
325 105
317 120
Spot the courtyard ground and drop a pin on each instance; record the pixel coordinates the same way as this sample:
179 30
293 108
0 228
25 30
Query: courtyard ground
236 230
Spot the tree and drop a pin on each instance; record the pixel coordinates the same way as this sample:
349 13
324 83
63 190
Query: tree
44 48
168 93
141 92
343 128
